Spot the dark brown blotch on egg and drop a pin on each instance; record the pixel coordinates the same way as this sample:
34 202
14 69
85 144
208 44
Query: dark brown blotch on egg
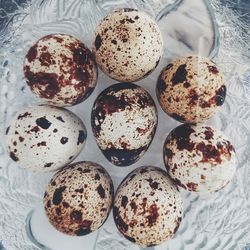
60 118
208 133
209 152
32 53
193 97
13 156
213 69
130 238
98 42
101 191
58 195
186 84
41 80
128 10
133 206
97 177
35 129
64 140
161 85
43 123
220 95
124 201
123 157
153 215
182 136
46 59
178 183
49 164
177 224
178 117
21 116
180 75
21 139
192 186
84 229
42 143
81 56
76 215
121 224
81 137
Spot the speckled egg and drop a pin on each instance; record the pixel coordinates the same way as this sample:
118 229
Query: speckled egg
60 69
190 89
45 138
124 120
199 158
127 45
148 207
78 199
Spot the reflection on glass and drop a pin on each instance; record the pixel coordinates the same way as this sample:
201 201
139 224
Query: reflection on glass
189 28
43 235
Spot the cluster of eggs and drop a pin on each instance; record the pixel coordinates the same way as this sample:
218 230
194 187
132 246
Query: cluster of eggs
147 206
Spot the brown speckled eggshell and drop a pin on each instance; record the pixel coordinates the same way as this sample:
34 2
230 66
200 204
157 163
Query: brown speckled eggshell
78 198
60 70
127 45
199 158
124 120
190 89
45 138
147 207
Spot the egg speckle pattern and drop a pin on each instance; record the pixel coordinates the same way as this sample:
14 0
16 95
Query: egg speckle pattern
124 120
190 89
128 45
60 69
199 158
78 198
45 138
148 207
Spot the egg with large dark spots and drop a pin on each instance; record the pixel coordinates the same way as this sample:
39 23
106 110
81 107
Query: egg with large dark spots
190 89
128 45
147 207
199 158
45 138
60 69
124 120
78 198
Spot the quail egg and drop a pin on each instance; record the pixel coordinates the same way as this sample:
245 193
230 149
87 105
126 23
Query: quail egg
199 158
128 45
60 69
78 198
147 207
45 138
124 120
190 89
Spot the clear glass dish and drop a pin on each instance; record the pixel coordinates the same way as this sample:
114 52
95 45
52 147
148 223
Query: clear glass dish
188 27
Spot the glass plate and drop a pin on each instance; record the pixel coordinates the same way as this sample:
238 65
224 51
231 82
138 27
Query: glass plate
188 27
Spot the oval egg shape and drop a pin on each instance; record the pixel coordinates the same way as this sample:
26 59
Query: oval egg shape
191 89
127 45
45 138
78 198
60 70
124 121
199 158
147 207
